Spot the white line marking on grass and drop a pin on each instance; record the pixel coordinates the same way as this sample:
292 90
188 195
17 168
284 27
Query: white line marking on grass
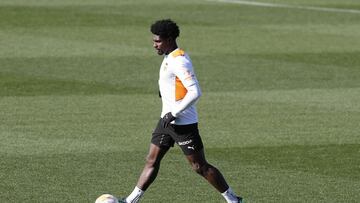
262 4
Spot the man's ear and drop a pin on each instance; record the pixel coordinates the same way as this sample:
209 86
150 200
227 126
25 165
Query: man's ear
169 39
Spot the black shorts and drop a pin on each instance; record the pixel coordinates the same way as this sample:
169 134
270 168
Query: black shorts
186 136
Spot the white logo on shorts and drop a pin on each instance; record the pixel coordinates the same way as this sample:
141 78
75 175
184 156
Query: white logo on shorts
191 147
185 142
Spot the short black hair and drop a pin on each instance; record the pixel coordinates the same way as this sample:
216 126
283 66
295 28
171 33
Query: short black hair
165 29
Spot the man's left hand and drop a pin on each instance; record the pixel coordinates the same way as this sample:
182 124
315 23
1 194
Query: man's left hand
166 120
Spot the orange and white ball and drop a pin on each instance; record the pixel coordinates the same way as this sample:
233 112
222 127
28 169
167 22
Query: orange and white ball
107 198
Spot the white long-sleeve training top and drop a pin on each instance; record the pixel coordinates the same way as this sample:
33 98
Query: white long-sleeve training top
179 87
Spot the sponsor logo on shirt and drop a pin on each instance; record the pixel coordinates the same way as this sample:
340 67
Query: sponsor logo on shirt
164 67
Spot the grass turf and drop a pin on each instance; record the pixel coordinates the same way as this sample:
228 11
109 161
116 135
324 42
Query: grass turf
78 89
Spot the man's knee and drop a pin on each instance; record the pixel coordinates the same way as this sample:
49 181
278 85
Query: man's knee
155 155
151 161
201 169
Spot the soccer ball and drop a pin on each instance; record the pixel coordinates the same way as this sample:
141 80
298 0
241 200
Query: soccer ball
107 198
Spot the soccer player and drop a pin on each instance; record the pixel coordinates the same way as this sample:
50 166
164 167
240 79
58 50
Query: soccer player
179 91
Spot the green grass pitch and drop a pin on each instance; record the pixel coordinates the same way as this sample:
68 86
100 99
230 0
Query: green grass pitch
279 115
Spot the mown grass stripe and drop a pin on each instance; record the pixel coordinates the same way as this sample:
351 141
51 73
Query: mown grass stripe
275 5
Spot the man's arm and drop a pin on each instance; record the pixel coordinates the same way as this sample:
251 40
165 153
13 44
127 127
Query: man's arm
193 94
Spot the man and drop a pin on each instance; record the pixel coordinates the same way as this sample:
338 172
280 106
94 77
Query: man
179 91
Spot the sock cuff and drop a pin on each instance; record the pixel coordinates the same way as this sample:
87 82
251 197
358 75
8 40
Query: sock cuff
139 190
228 191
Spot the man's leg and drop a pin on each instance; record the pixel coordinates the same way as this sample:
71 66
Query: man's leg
212 175
149 172
152 166
209 172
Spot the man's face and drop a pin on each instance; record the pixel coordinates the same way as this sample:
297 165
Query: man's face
161 45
